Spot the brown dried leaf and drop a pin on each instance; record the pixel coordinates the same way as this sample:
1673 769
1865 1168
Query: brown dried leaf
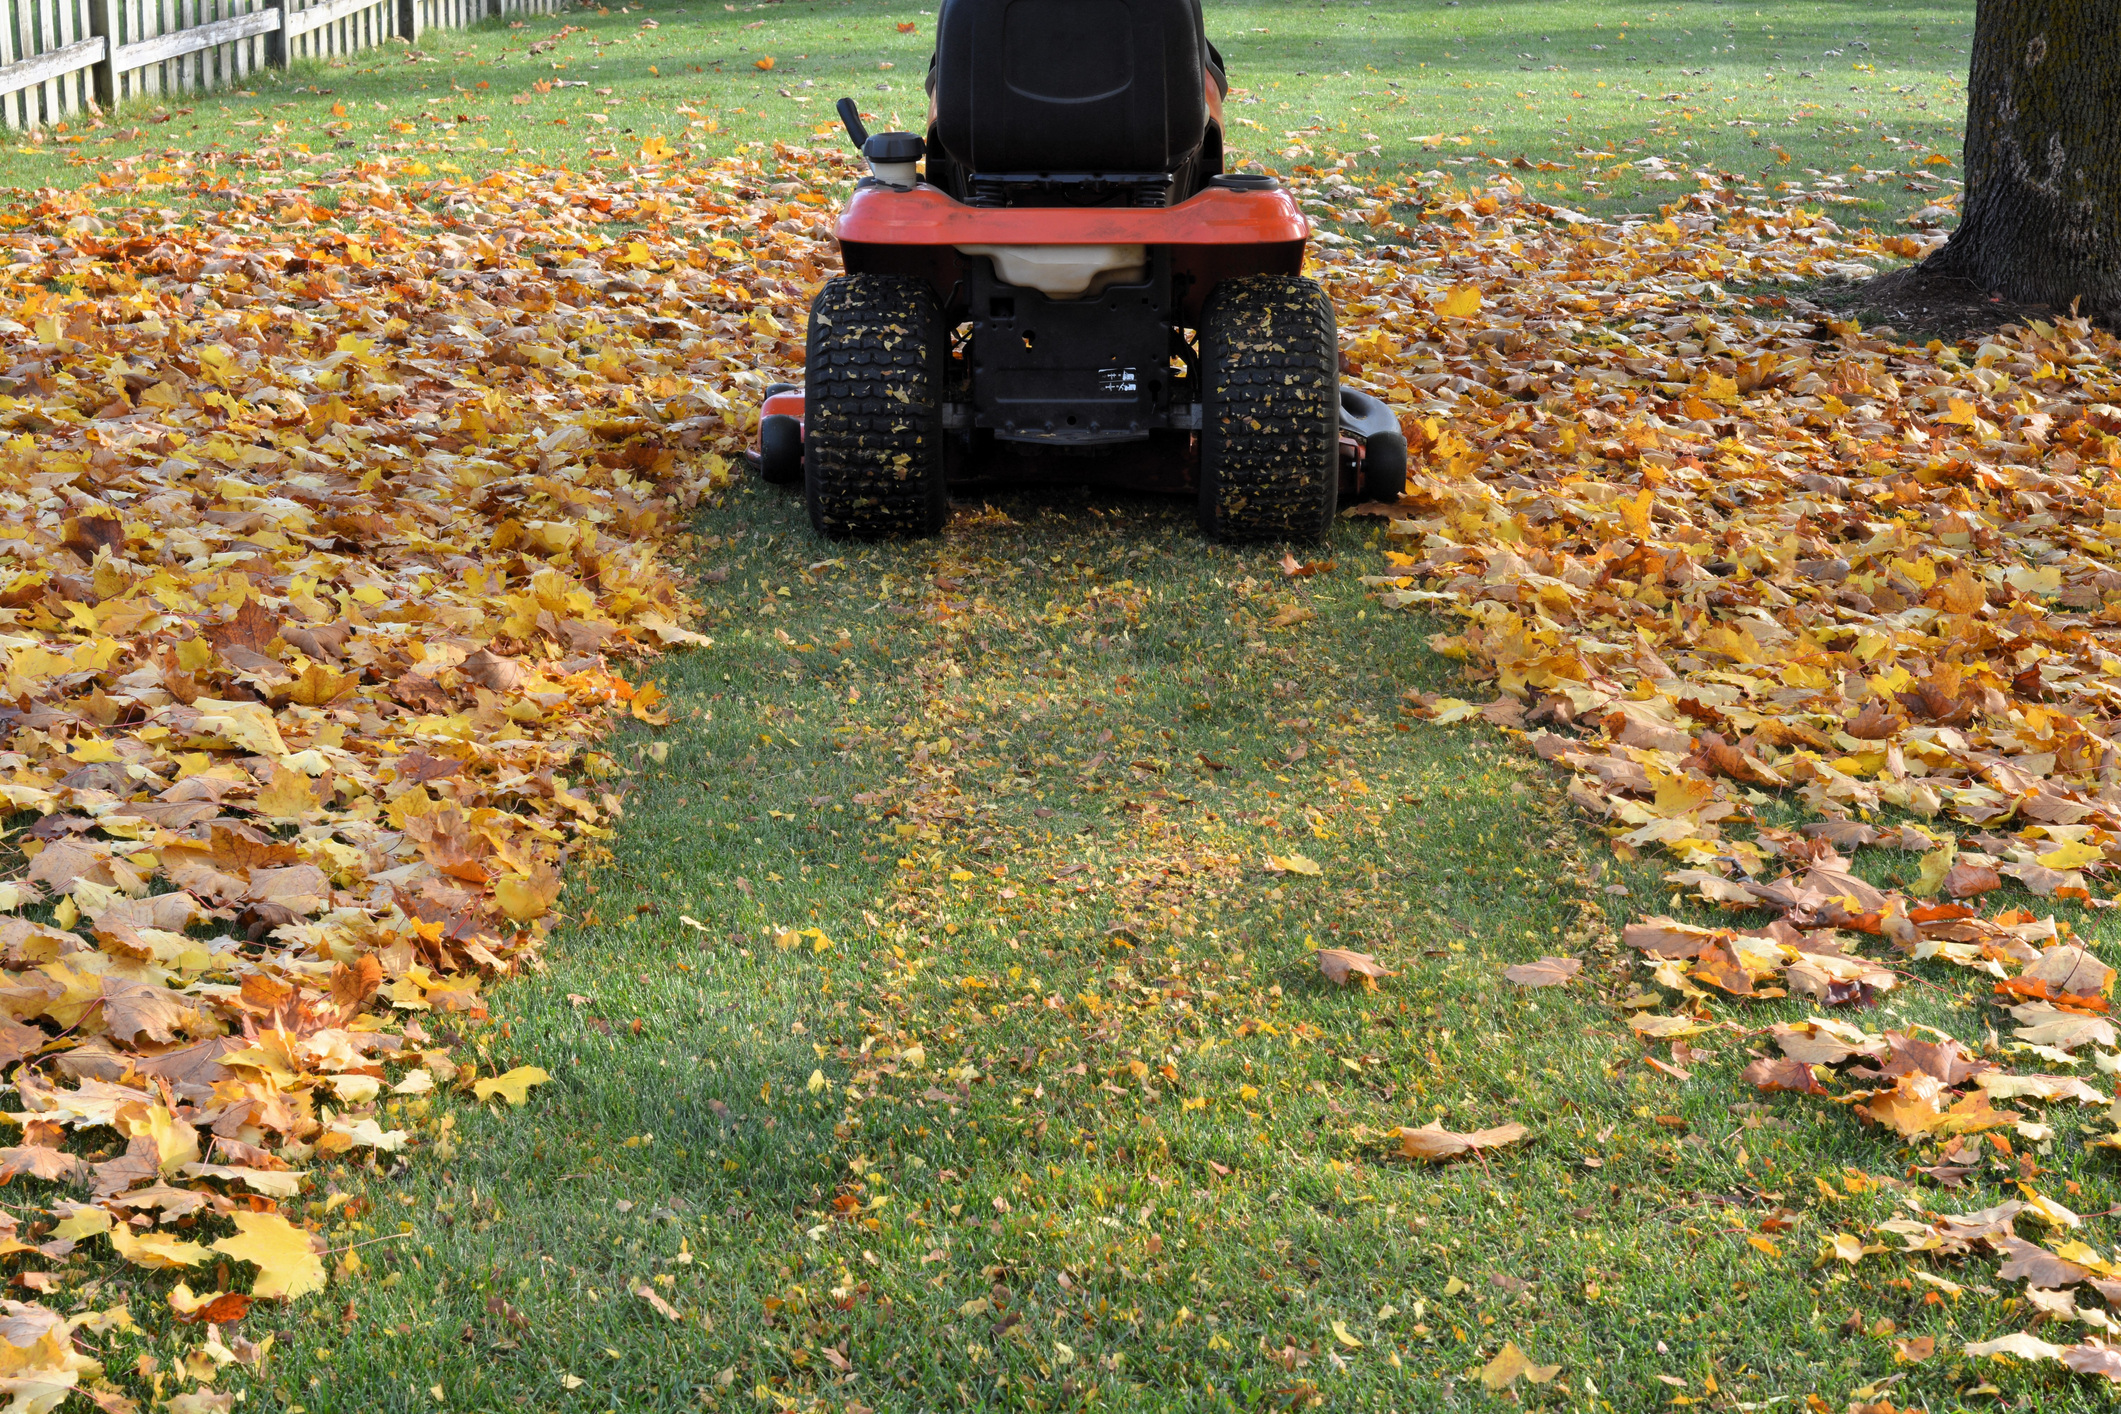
490 670
2094 1357
1340 964
1665 937
1913 1350
1435 1143
1770 1074
1546 972
2038 1266
1965 880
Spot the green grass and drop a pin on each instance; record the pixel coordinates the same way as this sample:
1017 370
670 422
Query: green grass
981 768
1841 99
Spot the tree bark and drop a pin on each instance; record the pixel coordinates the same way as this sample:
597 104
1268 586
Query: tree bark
2040 221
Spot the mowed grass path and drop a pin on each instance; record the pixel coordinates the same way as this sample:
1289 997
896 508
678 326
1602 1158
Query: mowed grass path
1053 1110
1622 103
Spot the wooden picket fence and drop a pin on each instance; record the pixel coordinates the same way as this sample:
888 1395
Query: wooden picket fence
62 57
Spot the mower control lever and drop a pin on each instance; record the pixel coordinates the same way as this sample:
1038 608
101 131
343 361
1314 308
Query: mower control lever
852 117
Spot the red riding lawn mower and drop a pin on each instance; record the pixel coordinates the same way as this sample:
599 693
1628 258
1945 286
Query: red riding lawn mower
1073 290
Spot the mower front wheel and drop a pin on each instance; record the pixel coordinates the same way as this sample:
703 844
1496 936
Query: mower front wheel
873 416
780 444
1270 414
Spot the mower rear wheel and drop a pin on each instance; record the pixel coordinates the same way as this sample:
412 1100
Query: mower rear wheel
873 412
1270 414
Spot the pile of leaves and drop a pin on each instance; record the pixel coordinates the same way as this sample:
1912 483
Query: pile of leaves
327 543
1739 553
1726 562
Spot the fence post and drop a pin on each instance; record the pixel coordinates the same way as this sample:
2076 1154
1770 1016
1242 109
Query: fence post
276 37
103 20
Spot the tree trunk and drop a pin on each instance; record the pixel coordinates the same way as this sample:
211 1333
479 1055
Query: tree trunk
2041 217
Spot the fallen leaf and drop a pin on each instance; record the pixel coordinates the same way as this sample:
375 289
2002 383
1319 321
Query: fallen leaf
1435 1143
2018 1345
156 1250
287 1262
661 1307
215 1307
1546 972
1511 1364
512 1086
1339 964
1783 1074
526 898
2094 1357
1461 303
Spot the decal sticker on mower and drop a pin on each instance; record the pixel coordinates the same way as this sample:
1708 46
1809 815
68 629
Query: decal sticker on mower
1115 380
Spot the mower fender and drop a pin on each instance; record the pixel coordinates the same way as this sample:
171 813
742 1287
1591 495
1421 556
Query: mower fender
1223 233
1374 427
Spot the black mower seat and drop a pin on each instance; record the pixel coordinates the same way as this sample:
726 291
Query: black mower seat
1086 87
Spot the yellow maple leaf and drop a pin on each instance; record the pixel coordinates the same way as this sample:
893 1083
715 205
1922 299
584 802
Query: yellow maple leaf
319 686
1511 1364
1935 866
1962 593
248 725
84 1221
156 1250
2072 854
288 1266
176 1142
1293 864
1845 1247
2044 581
287 796
1461 303
1635 513
524 897
512 1086
1678 794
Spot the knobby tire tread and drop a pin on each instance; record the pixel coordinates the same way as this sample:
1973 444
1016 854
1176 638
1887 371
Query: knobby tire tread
1270 427
873 414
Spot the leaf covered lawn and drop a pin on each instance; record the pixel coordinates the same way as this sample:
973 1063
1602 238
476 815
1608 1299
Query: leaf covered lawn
1780 593
1060 964
327 552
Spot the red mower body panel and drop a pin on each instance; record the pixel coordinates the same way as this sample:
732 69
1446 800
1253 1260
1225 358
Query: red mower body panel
1217 235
